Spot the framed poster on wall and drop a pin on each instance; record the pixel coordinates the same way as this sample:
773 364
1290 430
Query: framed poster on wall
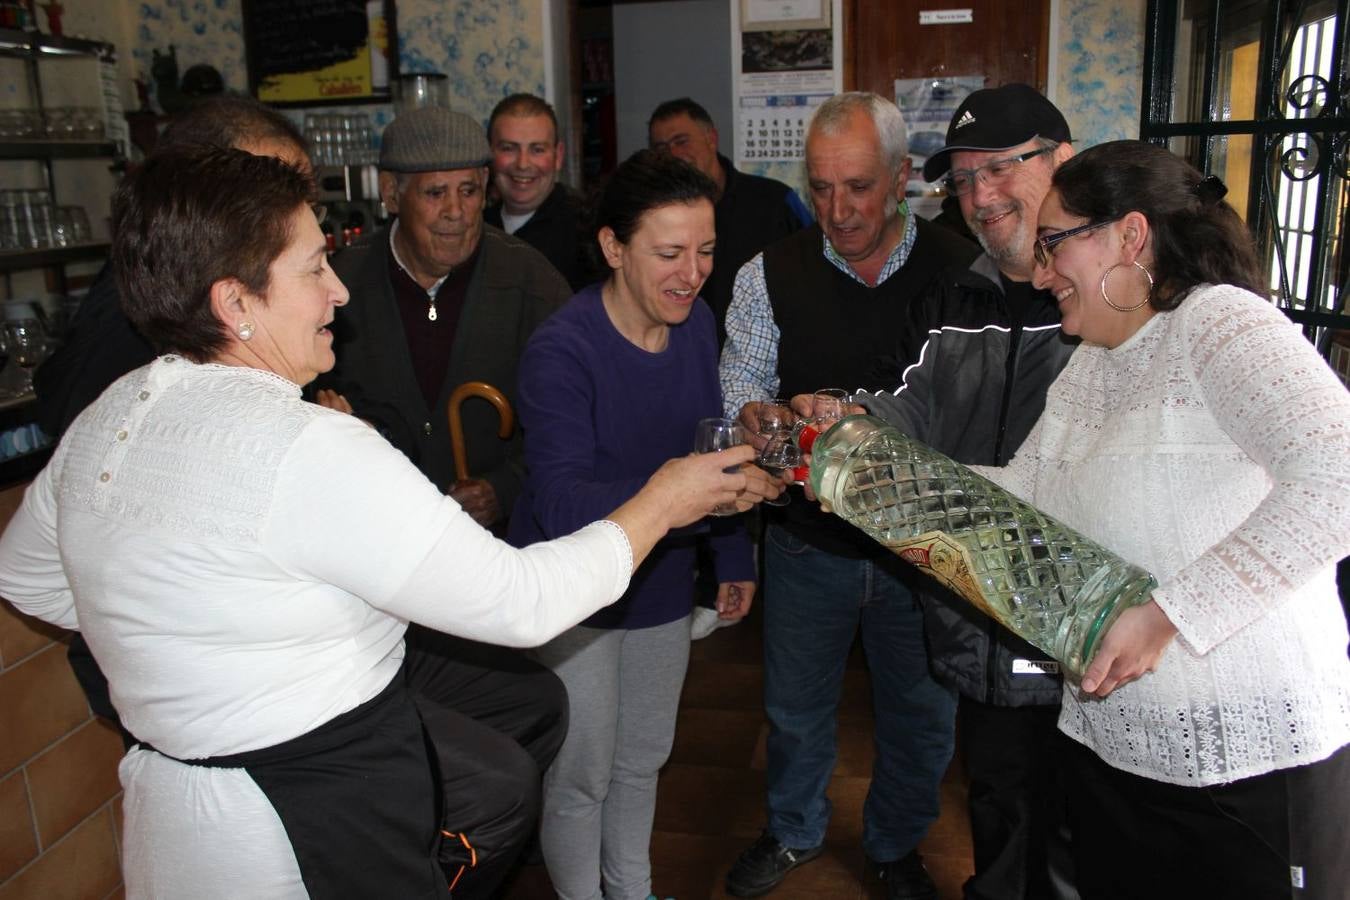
316 52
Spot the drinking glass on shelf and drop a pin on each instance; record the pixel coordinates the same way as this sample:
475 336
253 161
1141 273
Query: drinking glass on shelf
828 405
10 215
714 436
80 230
6 392
63 227
780 452
27 347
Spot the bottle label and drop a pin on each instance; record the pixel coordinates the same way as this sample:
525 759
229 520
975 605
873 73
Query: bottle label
947 561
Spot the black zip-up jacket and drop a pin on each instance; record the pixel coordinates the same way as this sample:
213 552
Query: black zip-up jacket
971 379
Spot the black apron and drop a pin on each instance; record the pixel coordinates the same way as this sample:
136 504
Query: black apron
357 799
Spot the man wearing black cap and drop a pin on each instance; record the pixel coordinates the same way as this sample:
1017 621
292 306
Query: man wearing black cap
973 365
439 299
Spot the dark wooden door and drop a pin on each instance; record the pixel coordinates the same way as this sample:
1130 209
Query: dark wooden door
1006 41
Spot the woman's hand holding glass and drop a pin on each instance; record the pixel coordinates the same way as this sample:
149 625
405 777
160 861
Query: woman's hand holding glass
720 435
688 488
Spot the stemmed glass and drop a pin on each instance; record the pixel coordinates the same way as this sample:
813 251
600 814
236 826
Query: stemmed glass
27 347
828 405
714 436
780 451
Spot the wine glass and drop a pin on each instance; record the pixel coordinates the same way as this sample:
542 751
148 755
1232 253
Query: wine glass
780 452
714 436
828 405
27 347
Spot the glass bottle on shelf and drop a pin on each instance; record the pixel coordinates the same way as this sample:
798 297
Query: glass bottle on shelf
1031 573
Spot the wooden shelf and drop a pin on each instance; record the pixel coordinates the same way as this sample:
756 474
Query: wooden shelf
24 44
42 148
14 260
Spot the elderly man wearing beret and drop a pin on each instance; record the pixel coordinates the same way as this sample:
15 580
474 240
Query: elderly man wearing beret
439 299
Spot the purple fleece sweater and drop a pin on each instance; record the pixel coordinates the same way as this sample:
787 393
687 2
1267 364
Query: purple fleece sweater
600 416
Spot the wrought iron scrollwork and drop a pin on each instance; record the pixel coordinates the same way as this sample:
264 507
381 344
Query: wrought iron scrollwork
1303 161
1309 92
1298 202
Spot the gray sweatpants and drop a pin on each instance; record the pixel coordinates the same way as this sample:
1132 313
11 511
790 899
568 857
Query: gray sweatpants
600 792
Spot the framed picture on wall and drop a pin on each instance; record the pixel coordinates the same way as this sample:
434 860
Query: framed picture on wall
784 15
317 52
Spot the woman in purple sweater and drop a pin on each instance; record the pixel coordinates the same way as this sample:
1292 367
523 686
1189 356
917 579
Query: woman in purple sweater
610 387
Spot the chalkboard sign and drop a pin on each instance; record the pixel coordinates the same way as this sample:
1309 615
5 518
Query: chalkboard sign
313 52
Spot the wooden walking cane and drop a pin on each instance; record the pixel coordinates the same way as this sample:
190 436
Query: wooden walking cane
505 418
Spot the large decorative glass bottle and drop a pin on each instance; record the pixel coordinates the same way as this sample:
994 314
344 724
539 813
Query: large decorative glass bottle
1038 577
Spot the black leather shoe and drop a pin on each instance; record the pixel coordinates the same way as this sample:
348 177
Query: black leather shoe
764 864
907 879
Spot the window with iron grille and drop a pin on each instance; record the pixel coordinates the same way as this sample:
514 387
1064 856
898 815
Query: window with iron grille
1254 91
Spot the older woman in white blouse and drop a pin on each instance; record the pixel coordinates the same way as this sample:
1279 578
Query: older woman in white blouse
1196 433
244 564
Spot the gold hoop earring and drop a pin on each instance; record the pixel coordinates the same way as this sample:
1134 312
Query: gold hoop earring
1116 306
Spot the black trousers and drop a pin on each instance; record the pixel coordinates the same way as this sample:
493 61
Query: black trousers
1251 839
495 720
1016 803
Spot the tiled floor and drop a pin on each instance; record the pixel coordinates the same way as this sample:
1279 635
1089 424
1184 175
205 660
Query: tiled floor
710 805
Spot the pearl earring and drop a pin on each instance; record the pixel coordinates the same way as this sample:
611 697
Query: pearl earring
245 330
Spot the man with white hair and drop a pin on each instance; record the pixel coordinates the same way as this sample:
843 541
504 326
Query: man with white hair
814 310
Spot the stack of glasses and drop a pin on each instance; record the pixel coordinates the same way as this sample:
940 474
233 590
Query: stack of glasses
340 139
29 220
62 123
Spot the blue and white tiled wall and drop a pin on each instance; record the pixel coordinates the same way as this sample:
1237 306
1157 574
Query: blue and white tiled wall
491 48
1101 68
488 48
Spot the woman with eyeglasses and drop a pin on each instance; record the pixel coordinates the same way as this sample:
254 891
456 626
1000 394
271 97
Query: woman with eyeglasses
1196 433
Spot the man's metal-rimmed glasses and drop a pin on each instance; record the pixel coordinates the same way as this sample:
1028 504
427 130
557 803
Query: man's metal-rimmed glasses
962 181
1044 248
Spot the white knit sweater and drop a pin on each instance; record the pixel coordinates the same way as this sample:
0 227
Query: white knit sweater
1213 449
243 565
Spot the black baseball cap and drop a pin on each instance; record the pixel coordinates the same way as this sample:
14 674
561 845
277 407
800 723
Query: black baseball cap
998 119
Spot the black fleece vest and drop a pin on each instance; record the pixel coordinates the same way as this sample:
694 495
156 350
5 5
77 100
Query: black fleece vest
833 330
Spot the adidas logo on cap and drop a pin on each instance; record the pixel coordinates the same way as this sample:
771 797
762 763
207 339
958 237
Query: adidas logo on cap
966 119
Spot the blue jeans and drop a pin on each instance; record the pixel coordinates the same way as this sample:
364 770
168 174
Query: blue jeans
814 603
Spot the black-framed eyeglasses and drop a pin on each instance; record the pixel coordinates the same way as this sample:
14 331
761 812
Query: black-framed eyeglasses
1044 247
962 181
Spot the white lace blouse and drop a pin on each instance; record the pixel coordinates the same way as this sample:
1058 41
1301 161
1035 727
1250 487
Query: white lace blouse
1213 449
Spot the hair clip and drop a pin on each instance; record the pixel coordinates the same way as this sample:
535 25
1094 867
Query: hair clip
1210 190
